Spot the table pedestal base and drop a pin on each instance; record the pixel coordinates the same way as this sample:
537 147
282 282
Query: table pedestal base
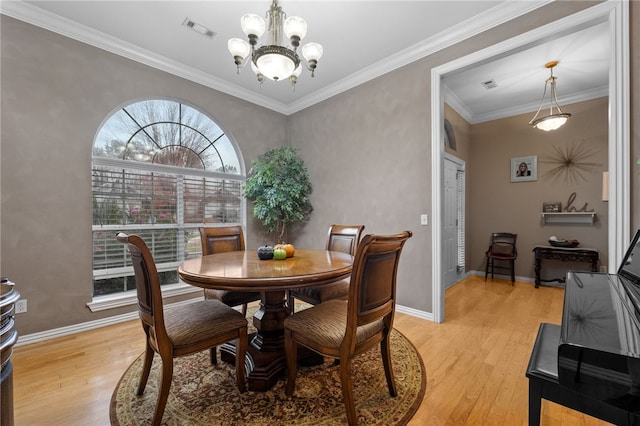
266 360
265 368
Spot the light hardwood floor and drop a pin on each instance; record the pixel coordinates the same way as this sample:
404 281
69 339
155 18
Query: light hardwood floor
475 362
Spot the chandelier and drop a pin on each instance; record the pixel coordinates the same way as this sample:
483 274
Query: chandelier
552 121
274 60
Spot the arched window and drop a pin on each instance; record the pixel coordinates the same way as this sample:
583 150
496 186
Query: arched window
160 169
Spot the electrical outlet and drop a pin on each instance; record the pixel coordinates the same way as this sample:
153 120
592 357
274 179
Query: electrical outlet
21 306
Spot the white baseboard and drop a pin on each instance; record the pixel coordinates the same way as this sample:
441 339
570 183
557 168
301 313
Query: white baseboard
503 277
91 325
414 312
78 328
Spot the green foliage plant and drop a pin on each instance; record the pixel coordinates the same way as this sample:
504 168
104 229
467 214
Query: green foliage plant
278 185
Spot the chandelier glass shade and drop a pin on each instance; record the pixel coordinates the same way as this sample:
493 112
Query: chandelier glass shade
274 60
553 120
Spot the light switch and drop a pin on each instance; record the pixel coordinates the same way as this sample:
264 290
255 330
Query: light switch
424 219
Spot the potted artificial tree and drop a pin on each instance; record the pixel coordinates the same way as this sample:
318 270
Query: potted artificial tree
278 185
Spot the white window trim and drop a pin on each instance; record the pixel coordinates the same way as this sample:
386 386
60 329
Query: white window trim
129 298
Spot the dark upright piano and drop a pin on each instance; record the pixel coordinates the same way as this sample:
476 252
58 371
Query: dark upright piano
599 348
591 362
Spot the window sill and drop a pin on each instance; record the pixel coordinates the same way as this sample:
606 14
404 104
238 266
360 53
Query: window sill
102 303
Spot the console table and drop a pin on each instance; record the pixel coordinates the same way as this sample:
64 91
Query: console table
566 255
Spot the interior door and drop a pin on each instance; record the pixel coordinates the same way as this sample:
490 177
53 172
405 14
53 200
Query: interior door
450 222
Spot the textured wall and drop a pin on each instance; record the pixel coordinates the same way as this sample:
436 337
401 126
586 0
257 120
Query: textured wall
371 149
55 94
368 153
498 205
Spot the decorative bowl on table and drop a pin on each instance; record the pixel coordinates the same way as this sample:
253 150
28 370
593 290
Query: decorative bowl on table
564 243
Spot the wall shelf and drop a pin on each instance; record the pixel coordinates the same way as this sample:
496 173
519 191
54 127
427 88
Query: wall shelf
587 218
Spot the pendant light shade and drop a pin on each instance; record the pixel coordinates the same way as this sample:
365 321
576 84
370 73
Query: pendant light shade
553 120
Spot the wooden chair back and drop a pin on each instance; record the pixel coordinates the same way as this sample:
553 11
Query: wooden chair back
221 239
344 238
503 245
372 291
147 286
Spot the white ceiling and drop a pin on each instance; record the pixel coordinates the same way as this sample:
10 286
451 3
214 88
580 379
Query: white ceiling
361 40
582 72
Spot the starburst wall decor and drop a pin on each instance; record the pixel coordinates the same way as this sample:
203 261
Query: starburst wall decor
571 163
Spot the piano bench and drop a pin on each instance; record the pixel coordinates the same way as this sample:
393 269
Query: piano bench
542 373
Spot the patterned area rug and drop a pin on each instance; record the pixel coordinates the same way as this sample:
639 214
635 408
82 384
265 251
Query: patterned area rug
205 394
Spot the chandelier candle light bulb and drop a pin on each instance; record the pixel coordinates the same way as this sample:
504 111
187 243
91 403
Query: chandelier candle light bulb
274 60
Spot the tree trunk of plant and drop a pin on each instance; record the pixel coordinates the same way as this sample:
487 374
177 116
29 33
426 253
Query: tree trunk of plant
282 231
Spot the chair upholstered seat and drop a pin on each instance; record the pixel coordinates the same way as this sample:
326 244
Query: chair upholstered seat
232 298
190 323
319 294
326 324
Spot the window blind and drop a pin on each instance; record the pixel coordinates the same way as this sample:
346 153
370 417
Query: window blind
461 207
164 208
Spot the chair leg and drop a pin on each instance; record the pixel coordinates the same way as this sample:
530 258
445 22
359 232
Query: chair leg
535 399
513 273
291 350
244 309
347 391
146 369
493 268
163 392
241 351
290 302
213 356
385 351
486 269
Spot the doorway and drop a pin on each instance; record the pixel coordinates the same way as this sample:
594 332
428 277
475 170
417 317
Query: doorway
617 16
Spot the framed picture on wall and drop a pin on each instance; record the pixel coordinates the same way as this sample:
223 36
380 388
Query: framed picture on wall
524 169
552 207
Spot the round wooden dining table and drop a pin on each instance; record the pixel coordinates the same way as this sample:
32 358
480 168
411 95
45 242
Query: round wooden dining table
243 271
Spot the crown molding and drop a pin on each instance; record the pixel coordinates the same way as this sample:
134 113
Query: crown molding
461 108
491 18
63 26
458 105
504 12
586 95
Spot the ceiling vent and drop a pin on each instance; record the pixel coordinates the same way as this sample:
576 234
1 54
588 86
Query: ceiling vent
489 84
200 29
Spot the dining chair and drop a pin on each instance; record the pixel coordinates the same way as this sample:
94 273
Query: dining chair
342 238
502 249
179 330
342 329
219 240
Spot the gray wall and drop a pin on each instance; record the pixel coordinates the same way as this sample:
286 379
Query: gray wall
55 94
494 203
498 205
367 150
369 153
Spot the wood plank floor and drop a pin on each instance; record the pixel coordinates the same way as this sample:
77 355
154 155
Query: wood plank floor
475 362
